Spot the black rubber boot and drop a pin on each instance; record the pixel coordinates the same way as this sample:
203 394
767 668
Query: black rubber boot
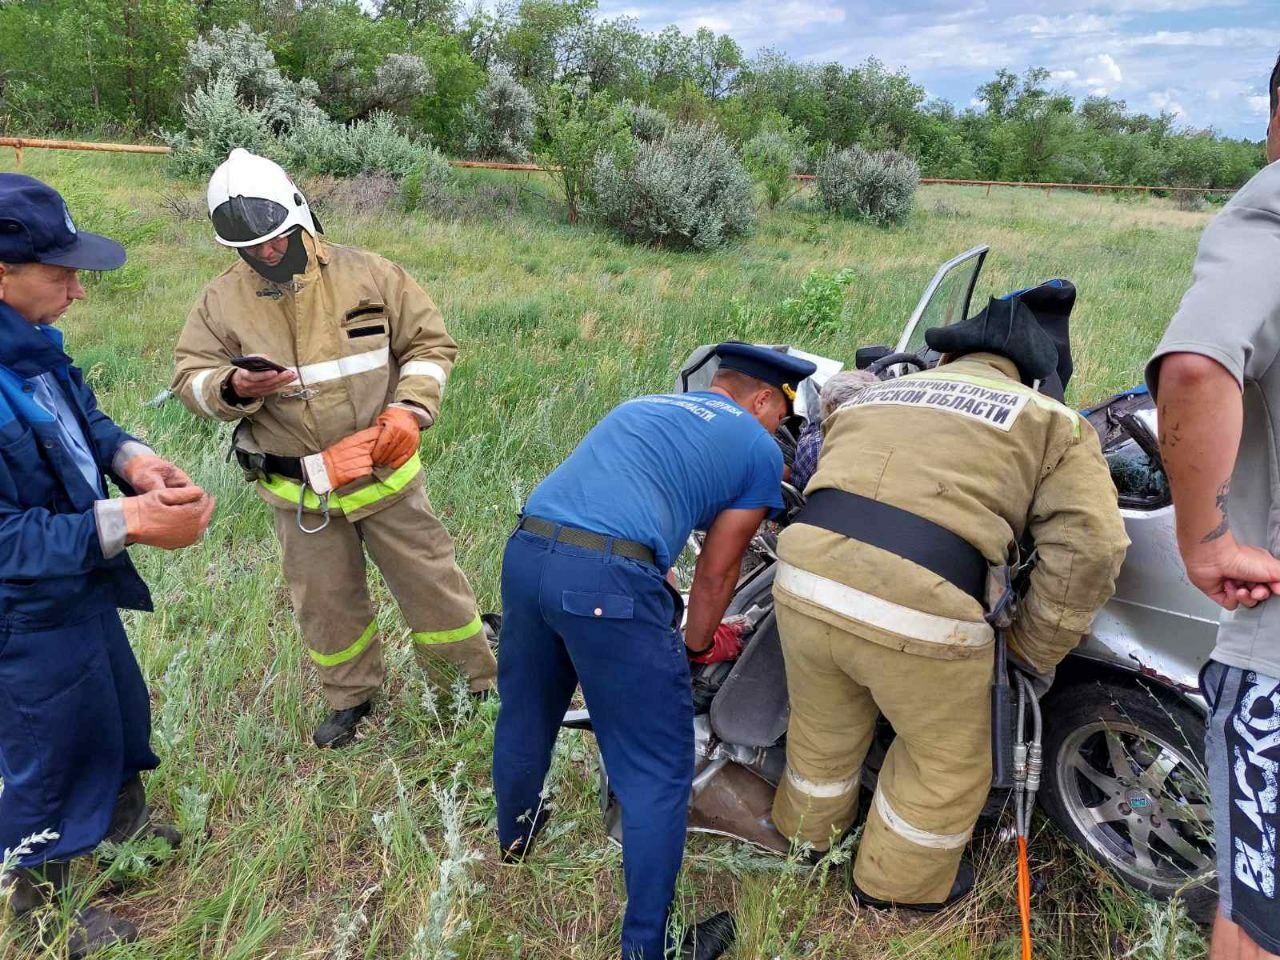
92 929
132 817
710 938
962 887
339 727
36 886
520 849
95 929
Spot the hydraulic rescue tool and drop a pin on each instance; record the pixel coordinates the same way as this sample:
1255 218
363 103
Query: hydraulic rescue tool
1015 761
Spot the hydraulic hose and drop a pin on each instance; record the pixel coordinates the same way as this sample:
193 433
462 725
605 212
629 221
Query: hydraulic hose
1024 897
1027 765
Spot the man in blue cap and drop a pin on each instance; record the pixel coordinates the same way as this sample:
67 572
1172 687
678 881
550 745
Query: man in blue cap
586 601
75 719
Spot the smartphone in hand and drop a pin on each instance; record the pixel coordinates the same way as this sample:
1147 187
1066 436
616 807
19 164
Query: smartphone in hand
257 365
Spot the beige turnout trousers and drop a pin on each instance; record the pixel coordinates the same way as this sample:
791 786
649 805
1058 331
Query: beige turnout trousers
937 773
414 553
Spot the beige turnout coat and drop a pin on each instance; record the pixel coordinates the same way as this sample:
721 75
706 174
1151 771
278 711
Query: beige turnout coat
969 447
361 334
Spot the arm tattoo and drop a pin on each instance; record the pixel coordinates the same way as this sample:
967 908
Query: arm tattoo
1220 501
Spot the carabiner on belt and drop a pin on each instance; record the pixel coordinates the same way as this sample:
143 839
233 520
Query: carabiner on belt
324 510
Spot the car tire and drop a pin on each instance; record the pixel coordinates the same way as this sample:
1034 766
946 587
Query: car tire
1124 778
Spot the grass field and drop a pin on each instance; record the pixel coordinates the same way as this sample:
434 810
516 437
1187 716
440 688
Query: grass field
386 849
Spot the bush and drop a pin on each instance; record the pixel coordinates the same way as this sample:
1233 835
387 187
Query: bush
877 187
216 123
430 181
350 92
772 156
359 194
577 126
375 145
686 190
819 308
242 100
500 120
242 57
647 123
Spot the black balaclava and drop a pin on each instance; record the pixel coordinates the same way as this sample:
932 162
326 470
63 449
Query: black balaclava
293 263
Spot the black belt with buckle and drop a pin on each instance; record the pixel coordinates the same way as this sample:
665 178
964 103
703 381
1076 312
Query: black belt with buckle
585 538
269 463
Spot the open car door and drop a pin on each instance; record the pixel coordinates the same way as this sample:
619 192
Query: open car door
946 300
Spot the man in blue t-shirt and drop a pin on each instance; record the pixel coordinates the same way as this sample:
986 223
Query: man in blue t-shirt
586 600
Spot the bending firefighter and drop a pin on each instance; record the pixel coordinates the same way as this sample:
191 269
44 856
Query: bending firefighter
333 360
925 484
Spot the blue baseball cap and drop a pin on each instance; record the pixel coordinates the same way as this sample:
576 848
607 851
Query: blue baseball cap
36 227
766 364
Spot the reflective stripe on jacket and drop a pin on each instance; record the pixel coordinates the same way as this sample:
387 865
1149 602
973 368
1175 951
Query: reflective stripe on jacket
358 330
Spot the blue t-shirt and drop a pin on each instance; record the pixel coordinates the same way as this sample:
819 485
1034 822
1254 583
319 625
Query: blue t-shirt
657 468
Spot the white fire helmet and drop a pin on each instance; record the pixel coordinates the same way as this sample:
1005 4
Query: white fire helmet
252 200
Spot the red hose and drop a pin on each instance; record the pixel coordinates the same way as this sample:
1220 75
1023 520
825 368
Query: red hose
1024 897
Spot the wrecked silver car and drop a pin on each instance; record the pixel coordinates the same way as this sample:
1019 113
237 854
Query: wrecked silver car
1123 722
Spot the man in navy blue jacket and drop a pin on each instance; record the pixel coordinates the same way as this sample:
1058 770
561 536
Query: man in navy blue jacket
75 721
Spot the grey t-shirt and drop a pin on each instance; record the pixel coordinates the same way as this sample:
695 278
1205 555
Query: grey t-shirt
1231 313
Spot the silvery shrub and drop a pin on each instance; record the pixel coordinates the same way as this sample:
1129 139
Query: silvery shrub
686 190
877 187
647 123
499 121
242 56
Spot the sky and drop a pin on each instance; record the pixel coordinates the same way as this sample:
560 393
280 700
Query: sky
1205 61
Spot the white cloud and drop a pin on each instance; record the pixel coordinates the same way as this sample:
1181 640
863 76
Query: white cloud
1105 69
1162 101
1074 24
1260 105
1173 6
1213 37
751 24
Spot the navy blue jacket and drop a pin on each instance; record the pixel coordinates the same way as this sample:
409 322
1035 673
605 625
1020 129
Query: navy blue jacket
52 571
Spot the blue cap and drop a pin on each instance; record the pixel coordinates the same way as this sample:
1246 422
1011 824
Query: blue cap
766 364
36 227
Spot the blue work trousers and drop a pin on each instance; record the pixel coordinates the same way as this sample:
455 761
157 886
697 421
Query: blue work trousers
573 615
75 723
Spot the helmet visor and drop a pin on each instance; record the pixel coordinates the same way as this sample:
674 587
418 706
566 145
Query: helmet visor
247 220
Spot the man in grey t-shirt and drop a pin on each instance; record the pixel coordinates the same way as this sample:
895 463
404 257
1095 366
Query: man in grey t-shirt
1216 378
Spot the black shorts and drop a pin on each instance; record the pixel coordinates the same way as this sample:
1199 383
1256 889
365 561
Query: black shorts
1242 746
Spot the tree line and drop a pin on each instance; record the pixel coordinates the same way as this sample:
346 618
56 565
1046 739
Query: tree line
122 68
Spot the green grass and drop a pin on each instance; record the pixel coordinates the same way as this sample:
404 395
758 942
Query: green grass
296 853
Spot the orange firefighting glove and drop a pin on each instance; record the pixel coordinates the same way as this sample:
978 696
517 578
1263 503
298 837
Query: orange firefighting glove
347 460
171 518
398 439
726 644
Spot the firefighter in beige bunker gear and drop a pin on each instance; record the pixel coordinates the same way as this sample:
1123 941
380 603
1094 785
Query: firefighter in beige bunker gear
970 458
333 439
